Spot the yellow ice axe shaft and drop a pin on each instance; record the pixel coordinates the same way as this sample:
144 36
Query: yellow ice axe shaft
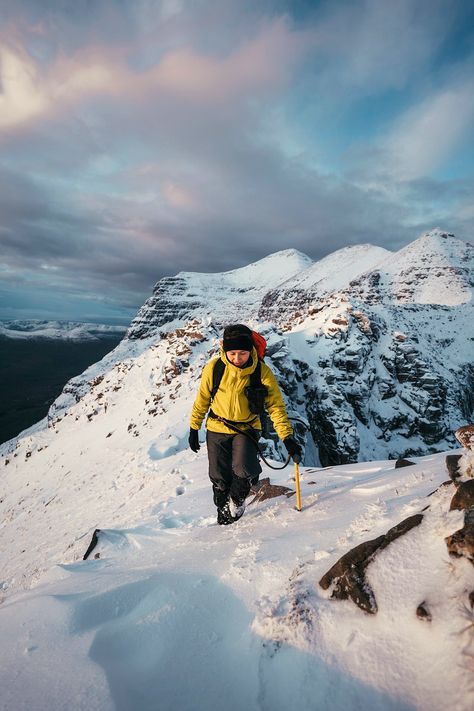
297 481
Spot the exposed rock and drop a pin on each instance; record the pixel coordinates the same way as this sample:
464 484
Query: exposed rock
403 463
423 613
347 576
461 543
92 544
264 490
465 436
452 465
464 496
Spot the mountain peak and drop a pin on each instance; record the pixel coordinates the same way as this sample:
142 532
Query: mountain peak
436 268
276 266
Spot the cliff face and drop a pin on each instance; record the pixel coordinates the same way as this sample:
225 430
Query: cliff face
373 349
388 368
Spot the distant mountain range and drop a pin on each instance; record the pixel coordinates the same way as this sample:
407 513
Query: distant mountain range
64 330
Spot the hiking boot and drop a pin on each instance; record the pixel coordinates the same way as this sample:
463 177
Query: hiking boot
236 508
224 516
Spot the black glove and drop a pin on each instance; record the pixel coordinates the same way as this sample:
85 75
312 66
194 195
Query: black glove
293 448
193 440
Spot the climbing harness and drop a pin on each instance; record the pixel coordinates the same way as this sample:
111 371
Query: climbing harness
233 426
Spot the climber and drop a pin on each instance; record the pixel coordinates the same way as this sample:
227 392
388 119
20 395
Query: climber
233 457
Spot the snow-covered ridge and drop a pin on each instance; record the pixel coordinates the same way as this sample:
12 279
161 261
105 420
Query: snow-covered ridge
63 330
266 272
435 269
338 269
319 280
220 297
172 605
373 375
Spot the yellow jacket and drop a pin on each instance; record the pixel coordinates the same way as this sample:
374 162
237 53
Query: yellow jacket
231 402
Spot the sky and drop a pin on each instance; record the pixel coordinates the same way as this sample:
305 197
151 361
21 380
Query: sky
140 138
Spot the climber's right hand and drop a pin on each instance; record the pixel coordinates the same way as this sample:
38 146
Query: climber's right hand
193 440
293 449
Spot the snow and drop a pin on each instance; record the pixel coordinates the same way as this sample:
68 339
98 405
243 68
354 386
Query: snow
65 330
338 269
267 272
447 263
180 613
226 295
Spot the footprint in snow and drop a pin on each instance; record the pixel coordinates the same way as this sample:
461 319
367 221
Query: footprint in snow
243 561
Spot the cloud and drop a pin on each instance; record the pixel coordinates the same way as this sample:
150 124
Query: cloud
370 46
178 196
427 134
263 64
144 138
20 99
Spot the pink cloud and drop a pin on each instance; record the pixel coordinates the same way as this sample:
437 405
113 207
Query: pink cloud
263 64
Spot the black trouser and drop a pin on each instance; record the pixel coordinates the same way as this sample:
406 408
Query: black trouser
233 465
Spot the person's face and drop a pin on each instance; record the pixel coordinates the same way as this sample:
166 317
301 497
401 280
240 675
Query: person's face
238 358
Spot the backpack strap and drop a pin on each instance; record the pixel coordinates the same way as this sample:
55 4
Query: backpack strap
256 376
217 373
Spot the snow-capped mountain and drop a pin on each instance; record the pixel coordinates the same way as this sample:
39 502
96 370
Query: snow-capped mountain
222 297
373 349
62 330
388 365
172 605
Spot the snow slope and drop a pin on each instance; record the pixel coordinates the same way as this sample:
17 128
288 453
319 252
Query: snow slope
337 270
436 269
180 613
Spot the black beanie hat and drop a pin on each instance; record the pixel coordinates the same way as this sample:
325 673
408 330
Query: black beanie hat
237 338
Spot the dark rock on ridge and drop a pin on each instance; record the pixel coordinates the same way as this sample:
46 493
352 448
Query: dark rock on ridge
463 499
264 490
403 463
423 613
452 465
461 543
347 576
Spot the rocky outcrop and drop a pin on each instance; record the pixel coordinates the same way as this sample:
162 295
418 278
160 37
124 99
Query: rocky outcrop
463 499
265 490
461 543
452 465
171 300
347 577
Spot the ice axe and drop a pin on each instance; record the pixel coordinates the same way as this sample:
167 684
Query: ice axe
297 459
